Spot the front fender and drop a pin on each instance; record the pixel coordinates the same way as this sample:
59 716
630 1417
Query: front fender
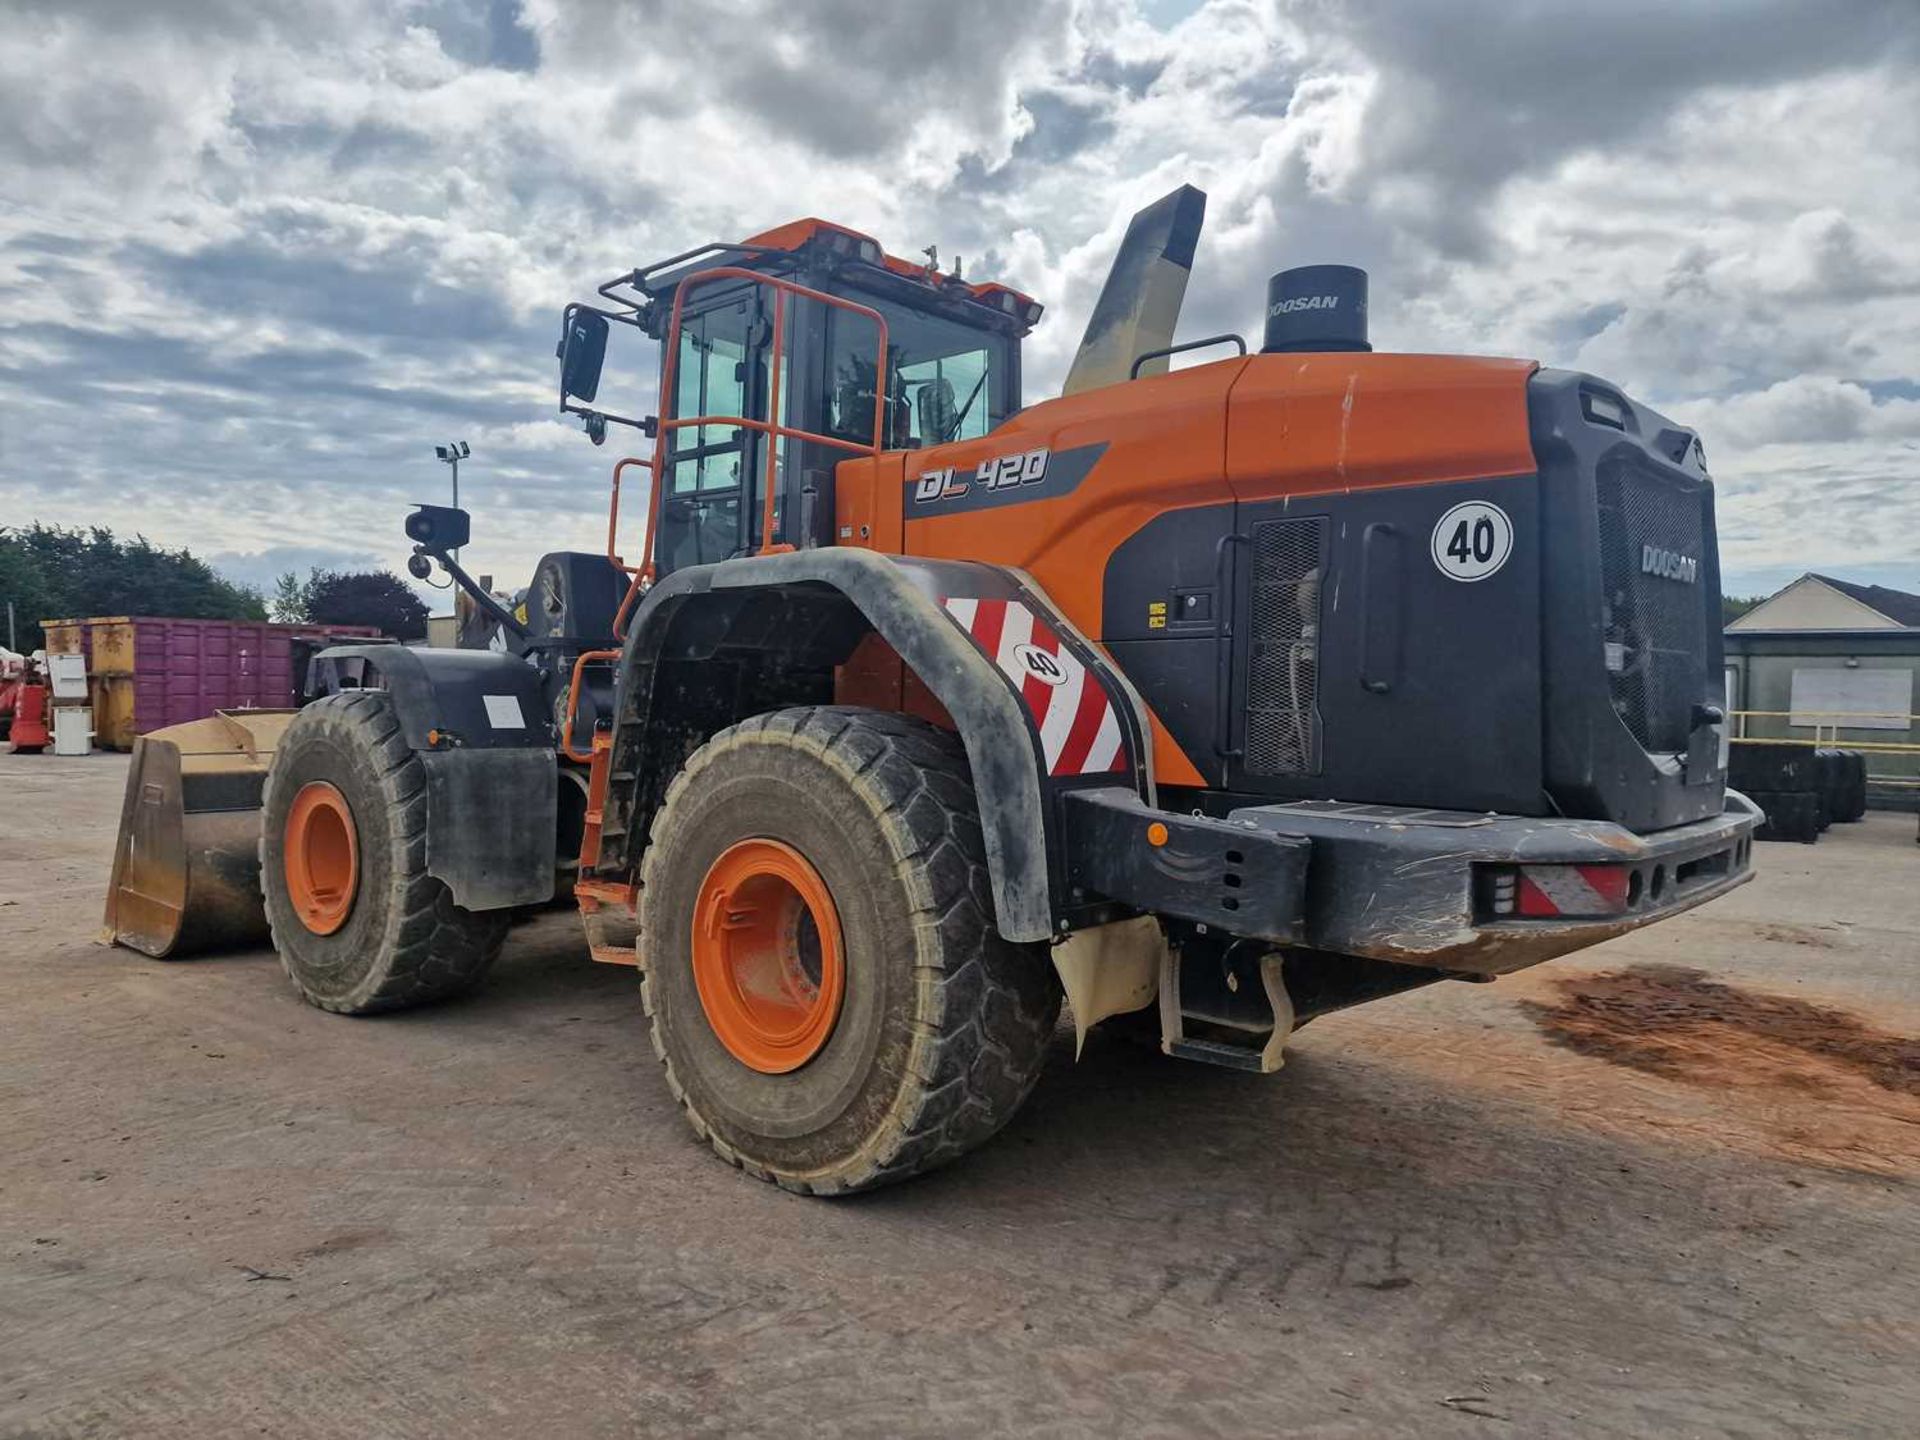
482 725
937 616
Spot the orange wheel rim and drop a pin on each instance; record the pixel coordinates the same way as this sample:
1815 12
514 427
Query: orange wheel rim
767 956
322 857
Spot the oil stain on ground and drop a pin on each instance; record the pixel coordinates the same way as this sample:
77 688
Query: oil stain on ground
1830 1082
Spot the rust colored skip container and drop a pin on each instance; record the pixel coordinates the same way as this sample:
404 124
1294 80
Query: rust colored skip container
147 672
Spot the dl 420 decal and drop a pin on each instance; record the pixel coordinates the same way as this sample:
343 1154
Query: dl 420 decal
1016 479
1002 472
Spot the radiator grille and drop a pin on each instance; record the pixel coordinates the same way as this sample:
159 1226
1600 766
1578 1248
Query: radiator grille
1283 723
1656 625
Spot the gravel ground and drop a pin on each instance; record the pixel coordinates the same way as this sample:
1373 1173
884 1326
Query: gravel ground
1664 1188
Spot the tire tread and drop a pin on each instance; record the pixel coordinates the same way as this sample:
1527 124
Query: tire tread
987 1008
439 949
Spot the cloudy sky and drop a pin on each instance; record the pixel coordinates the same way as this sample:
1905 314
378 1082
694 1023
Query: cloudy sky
258 256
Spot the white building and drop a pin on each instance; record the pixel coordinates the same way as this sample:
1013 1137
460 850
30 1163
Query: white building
1827 657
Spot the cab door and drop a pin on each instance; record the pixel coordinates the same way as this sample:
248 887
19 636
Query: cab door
710 468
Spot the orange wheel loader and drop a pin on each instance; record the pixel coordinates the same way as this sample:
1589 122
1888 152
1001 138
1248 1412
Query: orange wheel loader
1213 699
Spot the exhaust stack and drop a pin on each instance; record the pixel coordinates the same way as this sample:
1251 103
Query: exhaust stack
1140 303
1316 307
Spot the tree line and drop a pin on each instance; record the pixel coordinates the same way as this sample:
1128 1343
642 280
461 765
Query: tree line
350 597
51 573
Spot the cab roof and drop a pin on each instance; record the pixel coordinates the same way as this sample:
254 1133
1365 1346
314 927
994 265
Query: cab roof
793 235
800 242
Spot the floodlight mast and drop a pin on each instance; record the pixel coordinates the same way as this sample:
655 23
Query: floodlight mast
452 453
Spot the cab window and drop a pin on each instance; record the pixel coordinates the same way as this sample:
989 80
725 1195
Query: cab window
710 379
945 381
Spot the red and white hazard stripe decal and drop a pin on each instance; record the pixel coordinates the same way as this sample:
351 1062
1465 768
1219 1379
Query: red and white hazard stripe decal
1572 889
1079 728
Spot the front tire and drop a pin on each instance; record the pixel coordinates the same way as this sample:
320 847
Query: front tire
826 990
359 924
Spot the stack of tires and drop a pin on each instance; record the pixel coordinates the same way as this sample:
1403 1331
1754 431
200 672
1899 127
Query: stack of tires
1801 789
1843 784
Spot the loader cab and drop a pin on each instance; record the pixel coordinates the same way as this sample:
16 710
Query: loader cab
810 346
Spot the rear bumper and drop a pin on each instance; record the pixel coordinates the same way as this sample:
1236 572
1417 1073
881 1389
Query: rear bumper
1424 887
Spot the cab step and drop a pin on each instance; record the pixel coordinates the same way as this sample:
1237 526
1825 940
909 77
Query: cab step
1233 1010
1217 1052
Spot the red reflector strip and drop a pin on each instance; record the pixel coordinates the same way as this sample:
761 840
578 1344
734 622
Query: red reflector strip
1549 890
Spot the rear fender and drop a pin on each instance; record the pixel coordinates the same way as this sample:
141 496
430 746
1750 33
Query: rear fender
1038 709
482 724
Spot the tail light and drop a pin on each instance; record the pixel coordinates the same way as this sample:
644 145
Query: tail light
1555 892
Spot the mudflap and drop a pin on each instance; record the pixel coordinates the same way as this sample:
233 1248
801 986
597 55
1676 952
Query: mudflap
492 822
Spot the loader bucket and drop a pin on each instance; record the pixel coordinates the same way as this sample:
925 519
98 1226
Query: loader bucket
186 866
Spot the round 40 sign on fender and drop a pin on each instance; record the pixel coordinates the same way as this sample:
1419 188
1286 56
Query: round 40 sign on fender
1472 541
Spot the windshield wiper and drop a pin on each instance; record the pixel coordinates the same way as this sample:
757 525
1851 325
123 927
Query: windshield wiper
959 419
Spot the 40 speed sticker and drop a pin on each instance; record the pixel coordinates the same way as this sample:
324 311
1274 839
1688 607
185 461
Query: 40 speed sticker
1472 541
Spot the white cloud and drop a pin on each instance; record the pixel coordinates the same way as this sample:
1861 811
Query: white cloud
257 256
1804 410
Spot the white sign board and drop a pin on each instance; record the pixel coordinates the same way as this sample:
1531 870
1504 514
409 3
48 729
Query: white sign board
1827 697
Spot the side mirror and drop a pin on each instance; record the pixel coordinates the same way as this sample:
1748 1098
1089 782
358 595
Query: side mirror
582 352
439 528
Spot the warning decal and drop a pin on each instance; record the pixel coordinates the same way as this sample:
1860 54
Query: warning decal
1079 728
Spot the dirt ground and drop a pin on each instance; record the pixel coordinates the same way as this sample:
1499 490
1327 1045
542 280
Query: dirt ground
1664 1188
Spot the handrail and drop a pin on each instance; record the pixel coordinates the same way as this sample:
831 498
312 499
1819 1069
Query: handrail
839 442
635 589
613 513
637 279
586 658
1831 742
1166 350
1826 726
1831 714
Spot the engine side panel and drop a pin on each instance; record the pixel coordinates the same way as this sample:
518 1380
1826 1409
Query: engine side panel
1310 424
1115 459
1140 518
1391 683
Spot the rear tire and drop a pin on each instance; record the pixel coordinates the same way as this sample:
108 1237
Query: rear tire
402 941
940 1027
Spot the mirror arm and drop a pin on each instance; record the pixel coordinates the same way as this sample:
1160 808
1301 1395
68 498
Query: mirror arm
640 316
598 420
